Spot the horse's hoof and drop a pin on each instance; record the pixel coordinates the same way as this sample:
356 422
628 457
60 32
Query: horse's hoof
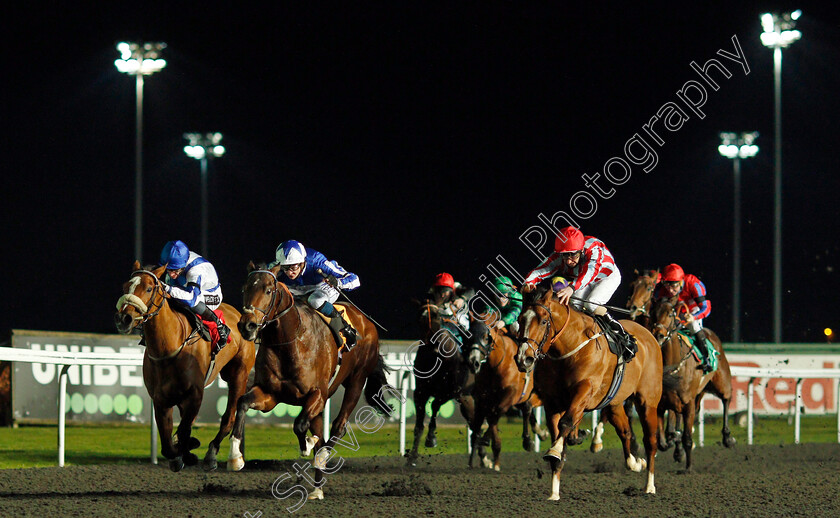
527 444
729 442
190 459
176 464
497 468
316 494
236 464
487 463
554 497
431 442
596 447
310 445
210 463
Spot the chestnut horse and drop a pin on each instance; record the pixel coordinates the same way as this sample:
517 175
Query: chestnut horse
176 363
440 373
498 386
573 371
298 364
684 399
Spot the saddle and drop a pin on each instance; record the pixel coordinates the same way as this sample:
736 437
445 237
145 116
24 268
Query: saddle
616 347
614 340
698 354
207 330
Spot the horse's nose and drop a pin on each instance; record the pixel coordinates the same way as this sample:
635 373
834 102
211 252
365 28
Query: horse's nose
475 365
248 330
122 321
527 363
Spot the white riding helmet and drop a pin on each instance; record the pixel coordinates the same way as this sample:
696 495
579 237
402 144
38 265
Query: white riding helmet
290 252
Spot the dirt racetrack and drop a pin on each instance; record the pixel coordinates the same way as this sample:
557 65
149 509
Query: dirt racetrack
799 480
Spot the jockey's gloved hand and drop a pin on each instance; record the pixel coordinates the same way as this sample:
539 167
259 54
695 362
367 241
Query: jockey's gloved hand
332 280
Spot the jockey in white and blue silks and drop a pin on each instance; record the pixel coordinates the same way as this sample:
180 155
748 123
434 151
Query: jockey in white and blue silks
308 272
192 281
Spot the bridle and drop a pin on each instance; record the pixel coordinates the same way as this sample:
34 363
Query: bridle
146 312
537 348
484 350
150 311
643 308
272 306
674 327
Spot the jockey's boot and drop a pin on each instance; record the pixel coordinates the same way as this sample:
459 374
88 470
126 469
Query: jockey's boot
627 341
339 325
224 331
700 342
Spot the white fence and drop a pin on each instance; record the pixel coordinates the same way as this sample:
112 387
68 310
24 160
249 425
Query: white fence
402 379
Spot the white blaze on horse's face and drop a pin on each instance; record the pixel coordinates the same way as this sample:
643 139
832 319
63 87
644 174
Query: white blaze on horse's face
132 284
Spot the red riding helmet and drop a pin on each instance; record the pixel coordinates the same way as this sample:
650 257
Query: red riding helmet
672 273
444 279
569 239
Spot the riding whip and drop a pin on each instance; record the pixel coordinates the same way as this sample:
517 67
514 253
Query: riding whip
321 272
613 308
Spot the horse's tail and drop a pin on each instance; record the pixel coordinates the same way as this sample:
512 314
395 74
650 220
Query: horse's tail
670 381
377 386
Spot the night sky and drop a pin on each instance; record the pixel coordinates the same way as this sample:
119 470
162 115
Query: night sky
403 140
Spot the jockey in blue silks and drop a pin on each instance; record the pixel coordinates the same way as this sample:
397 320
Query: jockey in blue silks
308 272
192 281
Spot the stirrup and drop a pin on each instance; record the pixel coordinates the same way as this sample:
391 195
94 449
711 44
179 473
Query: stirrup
349 337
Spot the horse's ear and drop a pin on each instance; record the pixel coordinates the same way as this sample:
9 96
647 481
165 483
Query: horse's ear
547 296
636 271
251 266
276 270
136 266
158 272
528 288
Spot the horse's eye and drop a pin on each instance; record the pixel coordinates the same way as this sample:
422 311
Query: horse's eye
149 289
544 321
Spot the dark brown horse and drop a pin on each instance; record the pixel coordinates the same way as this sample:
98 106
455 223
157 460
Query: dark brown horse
297 364
573 371
684 399
499 385
176 363
440 374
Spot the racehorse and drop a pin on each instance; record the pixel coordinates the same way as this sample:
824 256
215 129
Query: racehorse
440 373
298 364
176 364
498 386
573 372
684 398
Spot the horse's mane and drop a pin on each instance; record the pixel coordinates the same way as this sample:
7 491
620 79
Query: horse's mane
535 296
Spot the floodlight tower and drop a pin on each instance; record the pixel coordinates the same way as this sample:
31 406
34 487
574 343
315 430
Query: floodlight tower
778 33
138 60
736 147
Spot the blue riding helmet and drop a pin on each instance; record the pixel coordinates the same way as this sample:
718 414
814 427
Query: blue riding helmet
174 255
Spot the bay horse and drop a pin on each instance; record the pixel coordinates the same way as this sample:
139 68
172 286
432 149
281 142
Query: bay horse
498 386
176 364
440 374
298 364
684 398
573 372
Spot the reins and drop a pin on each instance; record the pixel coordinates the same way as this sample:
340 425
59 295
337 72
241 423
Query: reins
275 301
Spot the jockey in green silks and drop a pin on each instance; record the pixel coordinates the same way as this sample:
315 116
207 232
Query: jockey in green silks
509 303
